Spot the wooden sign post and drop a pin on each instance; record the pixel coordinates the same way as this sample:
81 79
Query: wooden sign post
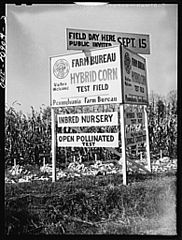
124 159
147 140
53 134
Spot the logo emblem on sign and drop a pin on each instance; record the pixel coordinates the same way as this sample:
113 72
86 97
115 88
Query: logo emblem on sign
61 68
127 62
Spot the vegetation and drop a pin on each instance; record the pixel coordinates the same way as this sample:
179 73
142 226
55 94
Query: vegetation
91 204
162 117
28 136
99 205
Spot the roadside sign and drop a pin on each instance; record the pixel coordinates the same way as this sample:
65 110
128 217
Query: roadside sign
135 88
87 140
79 39
88 119
134 114
102 76
107 71
134 125
86 78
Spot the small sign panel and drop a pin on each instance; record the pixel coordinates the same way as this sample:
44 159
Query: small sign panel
86 78
87 140
134 125
135 89
79 39
88 119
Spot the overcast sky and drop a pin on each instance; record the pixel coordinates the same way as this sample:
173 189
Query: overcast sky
34 33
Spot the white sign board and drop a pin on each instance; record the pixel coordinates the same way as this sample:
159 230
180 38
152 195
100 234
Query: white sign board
134 125
79 39
135 89
87 140
86 78
88 119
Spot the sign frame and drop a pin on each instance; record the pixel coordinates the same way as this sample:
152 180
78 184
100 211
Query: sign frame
103 119
111 80
138 43
121 89
134 121
87 140
126 65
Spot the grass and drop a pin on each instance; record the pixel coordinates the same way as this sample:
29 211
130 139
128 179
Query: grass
91 205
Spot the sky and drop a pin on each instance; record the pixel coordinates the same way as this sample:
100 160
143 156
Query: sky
36 32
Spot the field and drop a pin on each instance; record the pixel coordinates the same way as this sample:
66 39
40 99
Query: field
89 199
93 205
26 137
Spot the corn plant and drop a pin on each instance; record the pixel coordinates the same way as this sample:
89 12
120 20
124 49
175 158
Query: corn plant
28 136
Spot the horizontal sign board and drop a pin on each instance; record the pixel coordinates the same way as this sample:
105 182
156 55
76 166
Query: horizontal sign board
134 115
135 88
88 119
79 39
86 78
134 140
87 140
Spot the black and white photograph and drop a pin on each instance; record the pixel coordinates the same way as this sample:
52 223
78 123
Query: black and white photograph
90 118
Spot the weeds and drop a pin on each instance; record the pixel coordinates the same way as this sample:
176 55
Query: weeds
69 208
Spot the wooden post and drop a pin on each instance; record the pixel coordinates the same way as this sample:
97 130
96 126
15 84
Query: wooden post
140 156
147 140
80 159
124 160
14 162
95 157
66 157
161 154
53 131
65 147
136 149
44 162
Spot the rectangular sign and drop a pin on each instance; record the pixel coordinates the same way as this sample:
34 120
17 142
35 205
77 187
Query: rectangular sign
135 89
86 78
134 115
131 141
79 39
88 119
87 140
134 125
